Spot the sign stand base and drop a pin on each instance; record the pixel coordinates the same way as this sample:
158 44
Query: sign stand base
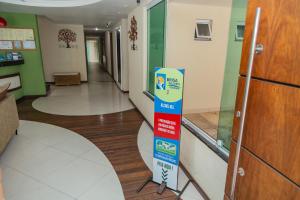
162 187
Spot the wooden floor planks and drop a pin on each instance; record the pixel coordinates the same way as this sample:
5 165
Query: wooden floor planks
116 135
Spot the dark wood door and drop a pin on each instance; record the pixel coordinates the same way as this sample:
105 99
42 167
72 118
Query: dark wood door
260 181
272 125
279 32
111 54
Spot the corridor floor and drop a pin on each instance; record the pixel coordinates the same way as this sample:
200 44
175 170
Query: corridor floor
86 99
116 135
46 162
96 73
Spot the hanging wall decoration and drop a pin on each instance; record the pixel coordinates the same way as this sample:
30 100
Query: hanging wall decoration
133 34
67 36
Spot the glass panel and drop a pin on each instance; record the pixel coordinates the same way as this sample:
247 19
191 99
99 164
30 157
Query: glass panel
240 31
203 30
231 73
156 41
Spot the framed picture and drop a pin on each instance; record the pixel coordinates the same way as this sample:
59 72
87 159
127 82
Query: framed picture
6 45
29 45
17 45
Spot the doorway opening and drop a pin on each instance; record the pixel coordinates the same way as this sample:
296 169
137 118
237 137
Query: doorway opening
96 59
119 60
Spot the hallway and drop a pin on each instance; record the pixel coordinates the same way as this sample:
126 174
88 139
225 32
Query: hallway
116 135
97 73
93 98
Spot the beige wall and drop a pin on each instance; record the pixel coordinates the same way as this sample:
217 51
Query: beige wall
56 59
204 61
206 167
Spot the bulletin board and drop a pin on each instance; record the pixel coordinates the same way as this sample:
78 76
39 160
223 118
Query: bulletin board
17 39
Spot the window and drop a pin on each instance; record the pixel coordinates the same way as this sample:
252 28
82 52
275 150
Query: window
210 85
239 33
203 29
156 41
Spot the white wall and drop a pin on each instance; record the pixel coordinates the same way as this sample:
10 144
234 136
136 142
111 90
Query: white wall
58 59
205 166
204 61
124 54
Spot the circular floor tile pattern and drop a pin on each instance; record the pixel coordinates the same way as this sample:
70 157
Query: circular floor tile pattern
86 99
48 162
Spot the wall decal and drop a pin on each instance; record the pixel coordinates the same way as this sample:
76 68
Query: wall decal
67 36
133 34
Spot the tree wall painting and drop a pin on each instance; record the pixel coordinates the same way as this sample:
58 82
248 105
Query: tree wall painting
67 36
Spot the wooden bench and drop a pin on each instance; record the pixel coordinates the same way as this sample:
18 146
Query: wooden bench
67 78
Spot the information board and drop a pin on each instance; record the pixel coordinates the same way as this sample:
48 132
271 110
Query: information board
17 39
167 125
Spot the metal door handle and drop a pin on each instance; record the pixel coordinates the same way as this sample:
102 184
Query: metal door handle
245 100
241 171
259 48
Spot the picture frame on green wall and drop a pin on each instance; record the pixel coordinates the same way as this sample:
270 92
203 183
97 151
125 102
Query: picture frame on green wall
18 45
6 45
29 45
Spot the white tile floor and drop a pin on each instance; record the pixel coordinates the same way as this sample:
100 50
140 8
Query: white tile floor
86 99
46 162
145 145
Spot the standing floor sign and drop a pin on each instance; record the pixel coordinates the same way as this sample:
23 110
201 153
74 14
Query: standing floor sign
167 125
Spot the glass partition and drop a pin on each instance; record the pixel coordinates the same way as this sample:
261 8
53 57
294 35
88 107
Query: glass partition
156 41
231 74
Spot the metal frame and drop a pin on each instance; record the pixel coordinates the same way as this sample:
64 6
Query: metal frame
237 37
147 7
207 22
245 101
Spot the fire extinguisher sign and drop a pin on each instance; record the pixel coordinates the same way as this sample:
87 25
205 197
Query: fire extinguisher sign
167 125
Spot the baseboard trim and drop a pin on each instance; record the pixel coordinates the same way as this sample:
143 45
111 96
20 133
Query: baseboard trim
53 83
28 97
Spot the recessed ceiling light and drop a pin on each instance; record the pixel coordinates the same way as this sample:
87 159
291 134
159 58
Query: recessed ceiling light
52 3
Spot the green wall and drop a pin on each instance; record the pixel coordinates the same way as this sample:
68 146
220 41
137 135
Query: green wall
231 74
32 75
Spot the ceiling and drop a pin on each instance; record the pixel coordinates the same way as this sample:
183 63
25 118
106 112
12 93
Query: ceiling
91 13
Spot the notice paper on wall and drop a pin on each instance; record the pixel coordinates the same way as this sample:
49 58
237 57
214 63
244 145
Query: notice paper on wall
6 45
16 34
167 125
29 44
